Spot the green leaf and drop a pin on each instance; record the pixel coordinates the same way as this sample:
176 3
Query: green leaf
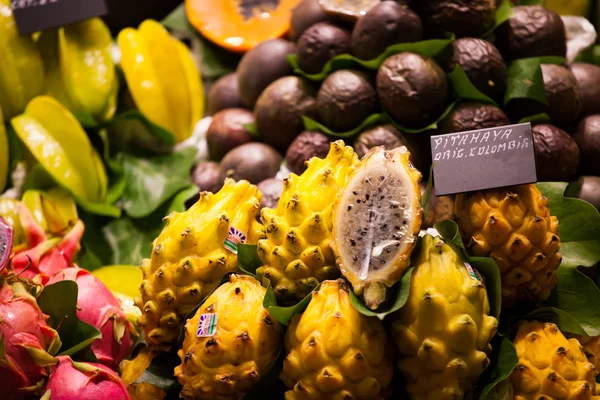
214 60
573 295
525 79
564 320
154 129
431 126
426 197
463 89
398 293
542 118
428 48
177 204
579 226
151 181
532 3
503 13
269 382
248 260
493 282
505 360
312 125
160 373
284 314
449 232
252 129
59 302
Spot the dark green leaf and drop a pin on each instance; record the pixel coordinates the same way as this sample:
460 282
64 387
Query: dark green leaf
426 197
525 79
532 3
86 119
431 126
565 322
284 314
536 119
579 227
59 302
151 181
177 20
160 372
177 204
503 13
505 362
252 130
398 297
95 250
463 89
590 55
129 243
573 295
106 210
428 48
448 229
154 129
269 382
493 282
248 260
312 125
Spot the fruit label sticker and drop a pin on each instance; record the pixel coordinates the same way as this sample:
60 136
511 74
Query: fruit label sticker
207 326
473 273
36 15
483 159
234 238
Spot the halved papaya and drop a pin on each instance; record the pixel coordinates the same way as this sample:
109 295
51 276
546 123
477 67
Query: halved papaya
239 25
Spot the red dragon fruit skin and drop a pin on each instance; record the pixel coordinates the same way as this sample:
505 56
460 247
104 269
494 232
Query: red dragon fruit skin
27 343
71 380
101 309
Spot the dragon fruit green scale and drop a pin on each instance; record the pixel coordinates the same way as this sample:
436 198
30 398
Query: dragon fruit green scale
296 251
444 330
191 255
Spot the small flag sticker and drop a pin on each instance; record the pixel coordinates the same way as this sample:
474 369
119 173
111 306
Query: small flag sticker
207 326
234 238
473 272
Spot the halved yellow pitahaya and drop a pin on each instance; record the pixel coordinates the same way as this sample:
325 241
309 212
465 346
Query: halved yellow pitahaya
27 343
98 307
83 381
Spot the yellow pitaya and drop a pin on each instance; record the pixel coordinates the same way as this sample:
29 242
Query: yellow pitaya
514 227
376 222
334 352
444 330
551 366
296 252
191 255
229 343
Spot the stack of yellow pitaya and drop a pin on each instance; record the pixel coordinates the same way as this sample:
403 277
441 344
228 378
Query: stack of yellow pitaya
98 307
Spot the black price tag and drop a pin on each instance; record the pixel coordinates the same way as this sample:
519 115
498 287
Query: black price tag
37 15
483 159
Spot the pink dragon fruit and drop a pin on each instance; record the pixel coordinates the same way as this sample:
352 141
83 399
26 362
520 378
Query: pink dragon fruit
83 381
27 343
101 309
44 257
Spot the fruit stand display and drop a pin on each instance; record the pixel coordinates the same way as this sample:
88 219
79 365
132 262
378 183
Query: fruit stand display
238 202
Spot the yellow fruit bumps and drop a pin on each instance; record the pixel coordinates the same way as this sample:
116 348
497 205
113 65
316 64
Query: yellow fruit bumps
514 227
296 252
551 366
334 352
444 330
191 255
229 343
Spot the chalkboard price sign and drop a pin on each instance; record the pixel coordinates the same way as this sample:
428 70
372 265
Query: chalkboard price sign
483 159
37 15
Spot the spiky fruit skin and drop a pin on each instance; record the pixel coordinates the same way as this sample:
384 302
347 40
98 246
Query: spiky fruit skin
189 258
98 307
84 381
27 343
334 352
591 347
380 208
246 341
296 252
145 391
514 227
444 330
551 366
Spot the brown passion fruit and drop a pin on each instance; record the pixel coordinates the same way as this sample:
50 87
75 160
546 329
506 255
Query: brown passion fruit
306 146
253 162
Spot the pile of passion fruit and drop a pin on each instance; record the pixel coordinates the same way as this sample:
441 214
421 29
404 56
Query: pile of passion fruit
260 112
